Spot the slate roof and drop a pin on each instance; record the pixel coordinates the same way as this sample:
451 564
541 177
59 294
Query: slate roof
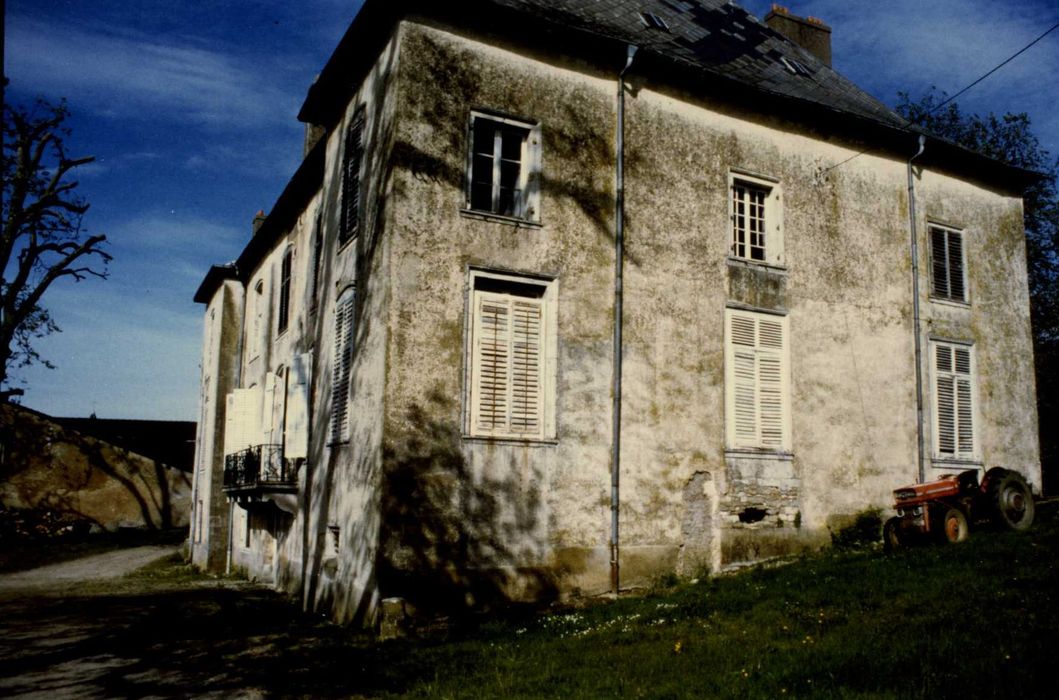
719 38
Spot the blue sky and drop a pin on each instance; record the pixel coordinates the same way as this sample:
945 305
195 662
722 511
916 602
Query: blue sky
190 111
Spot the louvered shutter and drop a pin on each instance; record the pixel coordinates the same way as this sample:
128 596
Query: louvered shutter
954 401
343 362
493 358
771 383
939 257
354 154
743 339
507 367
946 250
946 400
526 387
956 284
964 407
757 383
284 291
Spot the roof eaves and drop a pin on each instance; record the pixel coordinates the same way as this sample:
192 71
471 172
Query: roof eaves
215 276
329 92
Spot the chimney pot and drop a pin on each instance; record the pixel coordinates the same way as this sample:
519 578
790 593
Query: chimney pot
811 33
259 218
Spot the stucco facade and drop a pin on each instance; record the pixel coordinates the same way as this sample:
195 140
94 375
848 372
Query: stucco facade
415 499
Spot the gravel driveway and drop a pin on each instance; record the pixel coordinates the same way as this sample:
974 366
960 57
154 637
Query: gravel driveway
93 568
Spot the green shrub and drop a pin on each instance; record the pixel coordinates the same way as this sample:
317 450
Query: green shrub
864 531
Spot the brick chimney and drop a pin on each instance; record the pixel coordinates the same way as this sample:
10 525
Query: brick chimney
259 218
808 32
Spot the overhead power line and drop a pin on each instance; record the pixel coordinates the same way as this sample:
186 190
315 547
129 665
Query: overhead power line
946 101
1008 60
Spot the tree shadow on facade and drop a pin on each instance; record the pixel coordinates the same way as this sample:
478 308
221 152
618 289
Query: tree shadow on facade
449 534
319 579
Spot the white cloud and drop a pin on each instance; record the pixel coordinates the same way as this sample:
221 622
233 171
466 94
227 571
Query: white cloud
117 72
277 156
154 234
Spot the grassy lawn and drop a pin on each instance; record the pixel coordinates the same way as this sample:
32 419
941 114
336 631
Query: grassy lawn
976 620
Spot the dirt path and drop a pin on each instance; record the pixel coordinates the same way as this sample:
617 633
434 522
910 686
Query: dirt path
91 568
75 631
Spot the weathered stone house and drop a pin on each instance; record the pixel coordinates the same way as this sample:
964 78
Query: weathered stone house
409 376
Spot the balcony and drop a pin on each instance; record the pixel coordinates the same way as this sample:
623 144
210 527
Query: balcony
259 470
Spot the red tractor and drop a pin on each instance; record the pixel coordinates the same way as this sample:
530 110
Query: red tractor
946 509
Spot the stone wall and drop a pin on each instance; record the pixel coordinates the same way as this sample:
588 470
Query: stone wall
48 467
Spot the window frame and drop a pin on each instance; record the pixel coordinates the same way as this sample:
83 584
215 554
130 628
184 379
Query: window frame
529 178
484 284
946 295
971 377
772 214
734 440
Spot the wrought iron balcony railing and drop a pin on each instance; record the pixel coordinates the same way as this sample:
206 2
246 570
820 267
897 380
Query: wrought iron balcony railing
261 466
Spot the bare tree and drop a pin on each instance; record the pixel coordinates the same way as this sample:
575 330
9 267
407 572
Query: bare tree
42 238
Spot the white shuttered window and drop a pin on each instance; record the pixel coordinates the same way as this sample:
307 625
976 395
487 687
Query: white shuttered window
954 398
242 419
948 280
296 418
757 381
343 364
509 361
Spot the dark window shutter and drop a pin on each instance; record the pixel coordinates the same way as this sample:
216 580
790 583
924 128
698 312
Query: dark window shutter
284 291
354 155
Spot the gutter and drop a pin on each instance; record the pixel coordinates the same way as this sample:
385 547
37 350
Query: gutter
920 461
619 258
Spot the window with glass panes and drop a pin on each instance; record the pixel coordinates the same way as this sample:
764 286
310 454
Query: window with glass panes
504 165
748 221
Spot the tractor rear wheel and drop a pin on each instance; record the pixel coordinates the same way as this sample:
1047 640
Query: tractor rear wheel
954 525
891 535
1011 500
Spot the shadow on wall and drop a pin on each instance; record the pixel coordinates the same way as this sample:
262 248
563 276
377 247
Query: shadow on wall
330 481
449 541
577 150
46 467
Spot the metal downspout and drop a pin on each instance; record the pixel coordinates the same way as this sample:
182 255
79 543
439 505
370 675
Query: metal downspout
619 257
915 312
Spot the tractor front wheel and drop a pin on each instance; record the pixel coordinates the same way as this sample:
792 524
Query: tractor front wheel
954 525
1011 500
